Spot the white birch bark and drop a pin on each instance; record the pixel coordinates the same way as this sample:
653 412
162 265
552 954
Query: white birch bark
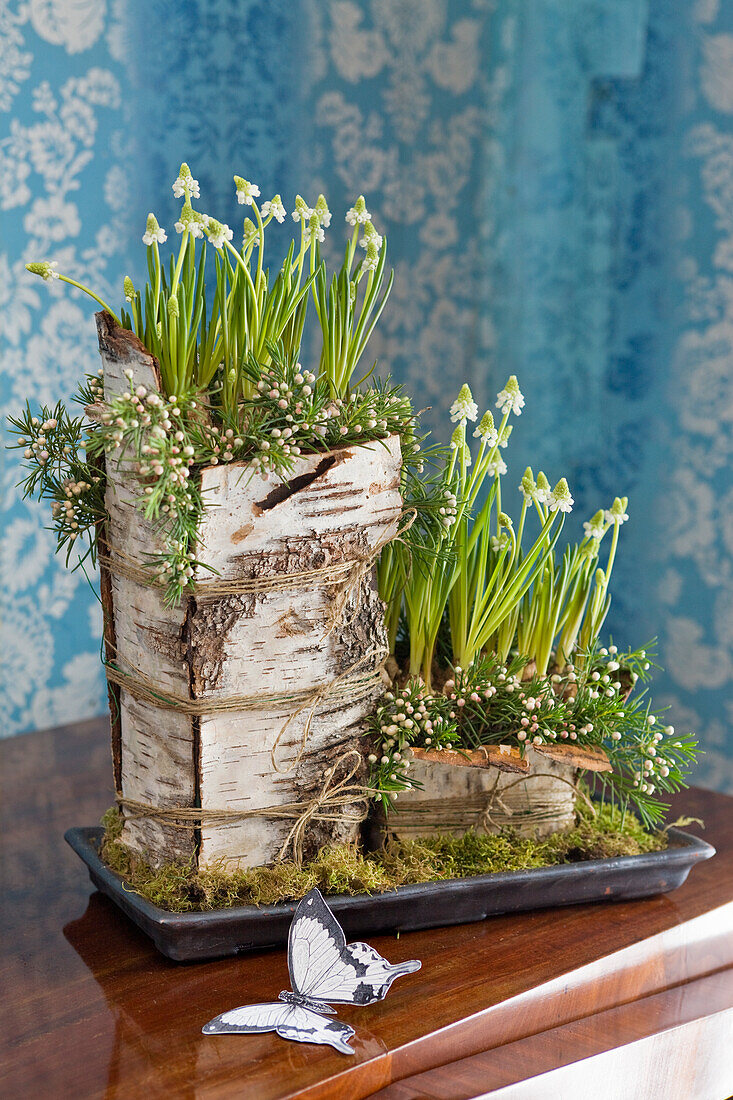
336 507
459 795
155 748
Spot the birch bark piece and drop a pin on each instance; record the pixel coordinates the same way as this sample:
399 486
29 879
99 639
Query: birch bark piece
580 756
337 507
457 799
343 505
156 749
502 757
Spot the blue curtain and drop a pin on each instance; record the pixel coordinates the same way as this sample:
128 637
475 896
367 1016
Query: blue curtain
556 181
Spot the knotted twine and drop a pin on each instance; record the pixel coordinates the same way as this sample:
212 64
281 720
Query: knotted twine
477 812
337 801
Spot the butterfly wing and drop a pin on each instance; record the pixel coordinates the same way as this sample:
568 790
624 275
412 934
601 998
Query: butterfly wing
323 967
288 1020
305 1026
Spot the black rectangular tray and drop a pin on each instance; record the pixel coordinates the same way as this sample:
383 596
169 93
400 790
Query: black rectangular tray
192 936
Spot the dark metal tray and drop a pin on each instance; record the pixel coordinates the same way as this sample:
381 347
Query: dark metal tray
196 936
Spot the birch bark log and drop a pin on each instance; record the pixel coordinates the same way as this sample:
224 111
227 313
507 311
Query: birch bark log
337 507
533 794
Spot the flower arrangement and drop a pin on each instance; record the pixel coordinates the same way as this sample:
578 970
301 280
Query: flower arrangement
493 627
510 631
233 389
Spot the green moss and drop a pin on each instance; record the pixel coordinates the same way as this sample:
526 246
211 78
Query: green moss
344 869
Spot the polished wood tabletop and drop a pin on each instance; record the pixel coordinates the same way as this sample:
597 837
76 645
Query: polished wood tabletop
628 999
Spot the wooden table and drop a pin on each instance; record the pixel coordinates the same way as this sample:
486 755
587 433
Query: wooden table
629 1000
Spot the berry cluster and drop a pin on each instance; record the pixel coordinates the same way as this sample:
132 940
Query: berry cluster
496 703
404 719
53 446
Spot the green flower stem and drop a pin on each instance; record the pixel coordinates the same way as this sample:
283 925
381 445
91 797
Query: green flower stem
156 265
248 276
352 249
612 553
179 262
86 290
261 250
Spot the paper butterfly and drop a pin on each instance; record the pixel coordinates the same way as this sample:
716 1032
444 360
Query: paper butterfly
324 970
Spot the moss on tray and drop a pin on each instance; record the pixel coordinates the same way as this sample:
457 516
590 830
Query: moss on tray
179 887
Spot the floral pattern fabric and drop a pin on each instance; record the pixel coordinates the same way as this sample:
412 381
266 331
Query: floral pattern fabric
556 184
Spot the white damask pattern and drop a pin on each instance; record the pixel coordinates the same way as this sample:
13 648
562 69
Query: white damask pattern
60 143
556 183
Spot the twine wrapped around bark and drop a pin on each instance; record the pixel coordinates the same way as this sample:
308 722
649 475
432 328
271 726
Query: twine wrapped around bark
480 811
331 803
350 686
345 577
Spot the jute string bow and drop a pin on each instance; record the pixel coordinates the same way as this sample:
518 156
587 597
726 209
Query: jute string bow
339 800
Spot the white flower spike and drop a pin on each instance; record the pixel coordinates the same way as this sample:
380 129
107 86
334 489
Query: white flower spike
510 399
543 492
250 233
371 260
595 527
528 485
560 498
358 213
324 214
464 407
313 230
302 212
46 269
217 232
153 232
370 234
274 208
190 221
186 186
246 192
617 512
458 439
486 430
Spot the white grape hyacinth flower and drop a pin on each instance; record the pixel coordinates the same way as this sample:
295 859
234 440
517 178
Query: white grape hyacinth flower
313 230
302 212
595 527
372 257
246 192
486 430
321 209
560 498
186 186
370 234
153 233
217 232
45 269
274 207
510 399
358 213
464 407
617 512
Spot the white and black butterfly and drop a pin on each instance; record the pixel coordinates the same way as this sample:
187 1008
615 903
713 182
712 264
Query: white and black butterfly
324 970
